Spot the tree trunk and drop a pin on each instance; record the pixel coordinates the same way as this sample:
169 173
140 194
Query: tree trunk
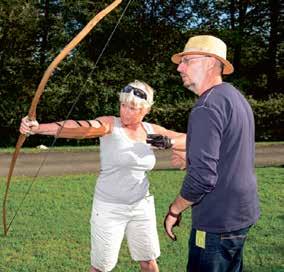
240 30
272 79
44 36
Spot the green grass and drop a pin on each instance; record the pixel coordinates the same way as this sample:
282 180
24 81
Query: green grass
51 230
10 150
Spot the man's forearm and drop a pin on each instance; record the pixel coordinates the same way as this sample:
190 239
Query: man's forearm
180 204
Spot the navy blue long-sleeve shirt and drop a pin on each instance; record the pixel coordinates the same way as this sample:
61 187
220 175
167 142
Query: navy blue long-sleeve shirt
220 177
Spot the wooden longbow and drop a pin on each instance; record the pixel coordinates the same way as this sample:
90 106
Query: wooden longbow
40 89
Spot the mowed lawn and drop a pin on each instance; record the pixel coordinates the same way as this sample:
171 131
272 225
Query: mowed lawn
51 229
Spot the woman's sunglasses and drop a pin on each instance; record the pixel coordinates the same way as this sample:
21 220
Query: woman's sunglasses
137 92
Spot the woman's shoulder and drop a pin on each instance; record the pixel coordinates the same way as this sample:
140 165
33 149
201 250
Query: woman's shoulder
108 122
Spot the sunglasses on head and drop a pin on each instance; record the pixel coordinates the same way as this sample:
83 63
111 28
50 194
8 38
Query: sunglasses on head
137 92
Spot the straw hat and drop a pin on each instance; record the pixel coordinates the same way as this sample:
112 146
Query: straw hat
206 45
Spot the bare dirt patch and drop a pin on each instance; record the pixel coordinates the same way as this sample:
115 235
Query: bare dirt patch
68 163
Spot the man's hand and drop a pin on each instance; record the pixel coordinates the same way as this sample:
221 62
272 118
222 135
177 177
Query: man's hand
159 141
171 220
27 125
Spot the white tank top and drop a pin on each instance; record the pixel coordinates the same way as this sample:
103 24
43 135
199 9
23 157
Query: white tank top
124 163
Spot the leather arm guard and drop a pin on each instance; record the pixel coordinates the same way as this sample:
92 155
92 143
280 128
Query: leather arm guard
81 132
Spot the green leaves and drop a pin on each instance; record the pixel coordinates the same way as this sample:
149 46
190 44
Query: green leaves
33 33
269 118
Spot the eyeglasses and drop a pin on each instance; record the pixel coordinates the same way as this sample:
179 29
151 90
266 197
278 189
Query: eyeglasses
137 92
188 60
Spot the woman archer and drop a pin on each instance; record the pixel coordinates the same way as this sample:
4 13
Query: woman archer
122 204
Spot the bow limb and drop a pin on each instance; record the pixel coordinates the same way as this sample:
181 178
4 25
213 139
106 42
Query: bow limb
47 74
20 142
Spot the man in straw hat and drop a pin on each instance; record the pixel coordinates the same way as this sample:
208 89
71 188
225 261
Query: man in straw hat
220 184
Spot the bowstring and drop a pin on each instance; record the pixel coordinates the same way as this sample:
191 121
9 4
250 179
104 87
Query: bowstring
68 114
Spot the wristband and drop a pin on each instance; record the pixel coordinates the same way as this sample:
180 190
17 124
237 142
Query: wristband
176 215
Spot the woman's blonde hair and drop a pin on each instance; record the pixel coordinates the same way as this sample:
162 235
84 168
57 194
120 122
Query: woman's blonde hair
130 98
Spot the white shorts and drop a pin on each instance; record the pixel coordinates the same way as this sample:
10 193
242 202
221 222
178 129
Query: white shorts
111 221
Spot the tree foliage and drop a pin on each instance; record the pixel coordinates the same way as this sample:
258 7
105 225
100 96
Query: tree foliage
33 32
